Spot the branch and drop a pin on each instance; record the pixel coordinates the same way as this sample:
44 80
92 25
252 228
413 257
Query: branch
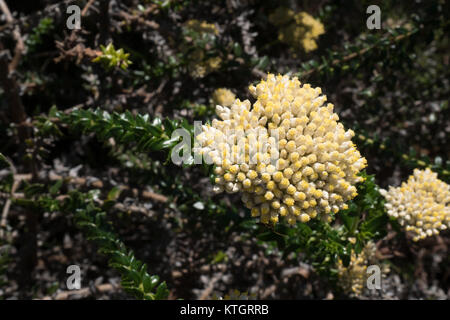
86 7
11 89
82 293
361 52
7 205
20 46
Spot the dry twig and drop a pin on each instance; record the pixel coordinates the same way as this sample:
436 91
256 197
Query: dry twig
20 46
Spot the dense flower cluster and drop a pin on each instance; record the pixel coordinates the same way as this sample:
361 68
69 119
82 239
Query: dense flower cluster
286 154
200 35
200 67
421 205
223 97
299 30
352 279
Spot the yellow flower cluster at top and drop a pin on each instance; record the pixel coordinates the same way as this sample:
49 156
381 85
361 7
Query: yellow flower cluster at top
352 279
421 205
287 154
223 97
299 30
199 64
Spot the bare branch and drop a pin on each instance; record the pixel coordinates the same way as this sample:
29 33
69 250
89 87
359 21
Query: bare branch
20 46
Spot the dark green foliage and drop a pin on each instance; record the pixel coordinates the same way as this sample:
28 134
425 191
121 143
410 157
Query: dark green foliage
91 218
135 278
137 131
410 159
355 55
324 243
44 27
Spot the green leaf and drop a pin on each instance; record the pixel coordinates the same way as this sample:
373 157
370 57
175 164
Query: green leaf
114 193
4 163
350 222
375 224
263 63
34 189
55 188
237 49
161 292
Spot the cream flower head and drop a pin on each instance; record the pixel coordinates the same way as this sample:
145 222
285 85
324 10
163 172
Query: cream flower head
287 154
421 205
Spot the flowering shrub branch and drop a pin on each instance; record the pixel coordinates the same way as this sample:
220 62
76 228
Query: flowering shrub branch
136 131
363 219
335 62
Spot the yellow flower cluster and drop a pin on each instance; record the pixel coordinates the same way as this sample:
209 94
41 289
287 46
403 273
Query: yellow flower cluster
223 97
286 154
199 64
201 26
421 205
299 30
352 279
199 68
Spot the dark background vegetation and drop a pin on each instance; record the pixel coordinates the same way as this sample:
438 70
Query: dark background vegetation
390 85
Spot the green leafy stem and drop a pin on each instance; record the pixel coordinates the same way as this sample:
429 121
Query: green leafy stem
92 220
